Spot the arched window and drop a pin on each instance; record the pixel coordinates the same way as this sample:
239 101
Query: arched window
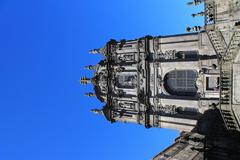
181 82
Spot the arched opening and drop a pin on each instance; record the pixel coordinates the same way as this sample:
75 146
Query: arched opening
181 82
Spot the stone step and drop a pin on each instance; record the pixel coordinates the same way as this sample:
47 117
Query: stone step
218 42
228 117
234 44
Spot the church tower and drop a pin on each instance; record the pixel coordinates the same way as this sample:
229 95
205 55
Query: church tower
168 81
164 81
187 82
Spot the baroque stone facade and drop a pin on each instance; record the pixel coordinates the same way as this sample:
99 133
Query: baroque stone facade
164 81
175 81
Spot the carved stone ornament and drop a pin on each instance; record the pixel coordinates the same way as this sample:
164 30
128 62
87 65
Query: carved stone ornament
120 69
170 54
168 109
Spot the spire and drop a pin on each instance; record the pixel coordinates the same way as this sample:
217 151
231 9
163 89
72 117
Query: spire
85 80
90 94
102 50
90 67
97 111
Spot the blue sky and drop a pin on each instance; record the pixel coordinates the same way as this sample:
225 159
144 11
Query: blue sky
43 47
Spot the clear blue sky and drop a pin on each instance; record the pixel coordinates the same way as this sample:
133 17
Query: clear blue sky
43 47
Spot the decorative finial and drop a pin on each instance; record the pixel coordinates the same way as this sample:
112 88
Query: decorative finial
95 51
195 2
90 94
198 14
188 29
195 28
190 3
85 80
90 67
97 111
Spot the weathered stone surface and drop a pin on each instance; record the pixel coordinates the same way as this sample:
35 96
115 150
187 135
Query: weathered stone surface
188 82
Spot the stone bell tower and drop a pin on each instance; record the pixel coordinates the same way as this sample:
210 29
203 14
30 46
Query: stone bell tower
187 82
163 81
170 81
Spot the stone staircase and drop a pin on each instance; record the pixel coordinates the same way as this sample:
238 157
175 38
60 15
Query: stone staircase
226 54
230 122
226 80
234 44
218 42
226 97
